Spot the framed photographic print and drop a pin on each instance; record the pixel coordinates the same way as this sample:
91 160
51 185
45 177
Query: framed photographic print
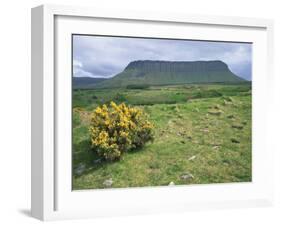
137 113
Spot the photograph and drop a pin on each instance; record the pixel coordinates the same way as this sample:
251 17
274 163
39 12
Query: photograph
152 111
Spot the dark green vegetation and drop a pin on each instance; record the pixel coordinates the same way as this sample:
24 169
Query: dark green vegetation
168 73
85 82
202 135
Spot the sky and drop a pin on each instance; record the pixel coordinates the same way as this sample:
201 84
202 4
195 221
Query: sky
104 57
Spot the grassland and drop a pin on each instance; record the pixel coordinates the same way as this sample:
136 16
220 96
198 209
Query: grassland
202 135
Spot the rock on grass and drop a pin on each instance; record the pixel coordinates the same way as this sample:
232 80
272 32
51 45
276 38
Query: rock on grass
205 130
171 183
192 158
216 147
229 99
108 183
187 176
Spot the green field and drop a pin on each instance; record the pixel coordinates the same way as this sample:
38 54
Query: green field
202 135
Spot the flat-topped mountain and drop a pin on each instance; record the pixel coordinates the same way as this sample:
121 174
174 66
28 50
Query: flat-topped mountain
177 66
172 72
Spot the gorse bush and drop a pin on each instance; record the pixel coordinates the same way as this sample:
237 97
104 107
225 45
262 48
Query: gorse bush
116 129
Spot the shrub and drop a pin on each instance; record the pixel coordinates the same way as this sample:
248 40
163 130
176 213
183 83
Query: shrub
116 129
119 98
138 86
206 94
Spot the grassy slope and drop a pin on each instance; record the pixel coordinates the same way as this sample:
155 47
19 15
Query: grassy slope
184 128
131 77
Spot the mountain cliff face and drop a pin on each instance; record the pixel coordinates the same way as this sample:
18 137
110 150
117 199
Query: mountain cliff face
172 72
147 66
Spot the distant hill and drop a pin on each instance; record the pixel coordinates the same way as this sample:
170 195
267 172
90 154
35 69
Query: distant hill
171 72
85 82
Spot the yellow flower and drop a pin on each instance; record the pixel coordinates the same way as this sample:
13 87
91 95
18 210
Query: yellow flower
114 129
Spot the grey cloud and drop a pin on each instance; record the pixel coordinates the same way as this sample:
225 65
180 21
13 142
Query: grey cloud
99 56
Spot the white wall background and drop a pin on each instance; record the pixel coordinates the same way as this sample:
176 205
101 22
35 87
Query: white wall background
15 112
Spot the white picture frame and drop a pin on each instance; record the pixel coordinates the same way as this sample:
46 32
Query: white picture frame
52 197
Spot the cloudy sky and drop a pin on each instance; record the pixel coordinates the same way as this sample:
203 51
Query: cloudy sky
99 56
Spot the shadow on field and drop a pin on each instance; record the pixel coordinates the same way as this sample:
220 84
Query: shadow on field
86 160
